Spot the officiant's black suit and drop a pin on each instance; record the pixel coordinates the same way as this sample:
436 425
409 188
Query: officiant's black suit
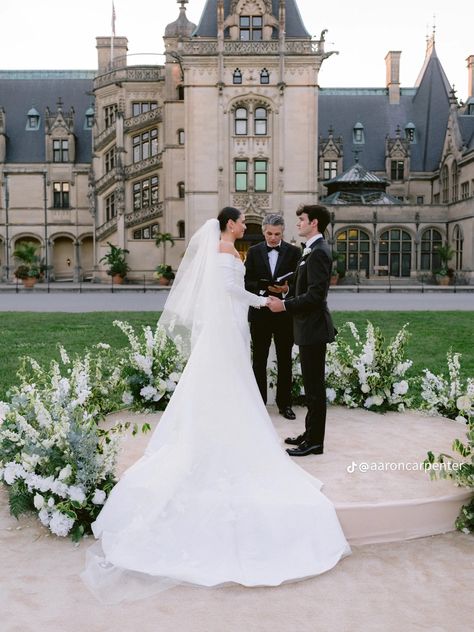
313 329
265 324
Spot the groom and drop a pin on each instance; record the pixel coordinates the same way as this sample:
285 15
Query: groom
312 323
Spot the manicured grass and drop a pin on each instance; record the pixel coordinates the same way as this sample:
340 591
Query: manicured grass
38 335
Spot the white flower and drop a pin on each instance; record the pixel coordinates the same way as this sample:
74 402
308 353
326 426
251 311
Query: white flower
127 398
330 394
149 393
378 400
144 363
400 388
51 502
99 497
464 403
77 494
38 501
4 410
170 385
174 377
365 388
460 419
102 345
60 524
64 355
306 251
44 517
65 473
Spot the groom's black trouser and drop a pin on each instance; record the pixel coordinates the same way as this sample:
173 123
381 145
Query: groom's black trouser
281 329
313 360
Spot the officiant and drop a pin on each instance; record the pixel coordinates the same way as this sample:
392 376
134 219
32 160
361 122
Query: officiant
269 266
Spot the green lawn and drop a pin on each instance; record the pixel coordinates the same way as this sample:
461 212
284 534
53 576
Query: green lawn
38 335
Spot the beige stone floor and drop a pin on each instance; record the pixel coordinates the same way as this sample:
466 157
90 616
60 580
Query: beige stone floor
421 584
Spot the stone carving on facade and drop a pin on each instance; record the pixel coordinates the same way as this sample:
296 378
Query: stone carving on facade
143 215
252 203
102 139
143 166
107 228
146 73
153 116
91 195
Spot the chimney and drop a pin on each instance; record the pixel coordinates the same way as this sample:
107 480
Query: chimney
111 53
470 77
392 63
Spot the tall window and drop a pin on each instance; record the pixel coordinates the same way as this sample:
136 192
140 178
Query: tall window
241 175
264 77
110 207
458 246
145 145
395 252
181 137
237 77
329 169
397 169
110 114
454 182
145 193
60 194
110 159
464 190
241 121
260 176
181 190
60 150
445 185
251 27
181 226
353 248
141 107
430 241
260 121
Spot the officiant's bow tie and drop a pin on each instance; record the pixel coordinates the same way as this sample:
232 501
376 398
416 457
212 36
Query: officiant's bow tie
303 245
270 248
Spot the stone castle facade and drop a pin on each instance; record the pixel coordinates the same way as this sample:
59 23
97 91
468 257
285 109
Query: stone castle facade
234 116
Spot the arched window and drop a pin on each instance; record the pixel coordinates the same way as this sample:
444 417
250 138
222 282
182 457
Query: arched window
353 248
181 190
430 241
445 185
458 246
454 182
395 252
237 76
241 121
260 120
181 229
264 77
358 136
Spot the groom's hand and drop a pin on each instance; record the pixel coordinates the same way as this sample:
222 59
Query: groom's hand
275 304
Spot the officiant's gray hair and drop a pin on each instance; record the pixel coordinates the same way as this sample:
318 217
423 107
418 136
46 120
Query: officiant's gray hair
273 219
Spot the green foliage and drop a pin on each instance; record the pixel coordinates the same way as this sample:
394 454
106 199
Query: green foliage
20 499
26 253
115 259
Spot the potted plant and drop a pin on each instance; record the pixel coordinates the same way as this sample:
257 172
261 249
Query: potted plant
164 274
29 269
336 258
117 265
445 273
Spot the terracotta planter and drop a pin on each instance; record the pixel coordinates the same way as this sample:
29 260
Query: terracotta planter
334 279
443 280
29 282
117 279
163 280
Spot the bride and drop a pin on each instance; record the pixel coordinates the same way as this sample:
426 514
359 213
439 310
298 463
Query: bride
215 499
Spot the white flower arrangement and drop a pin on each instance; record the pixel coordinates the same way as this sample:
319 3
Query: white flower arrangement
449 395
151 369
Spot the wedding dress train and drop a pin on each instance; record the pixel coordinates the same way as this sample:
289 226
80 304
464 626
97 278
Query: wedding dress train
215 498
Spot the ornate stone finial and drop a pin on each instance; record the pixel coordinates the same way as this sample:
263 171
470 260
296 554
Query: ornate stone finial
181 27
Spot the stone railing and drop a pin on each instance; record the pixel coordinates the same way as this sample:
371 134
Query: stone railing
106 229
144 214
102 139
105 181
270 47
132 73
135 122
144 165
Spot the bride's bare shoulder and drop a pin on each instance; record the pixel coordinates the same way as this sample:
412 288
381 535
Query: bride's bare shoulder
228 248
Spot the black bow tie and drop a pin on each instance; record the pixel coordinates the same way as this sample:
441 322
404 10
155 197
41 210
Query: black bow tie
303 245
270 248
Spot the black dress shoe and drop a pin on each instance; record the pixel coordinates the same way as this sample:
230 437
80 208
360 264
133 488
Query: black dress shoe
294 440
287 413
305 448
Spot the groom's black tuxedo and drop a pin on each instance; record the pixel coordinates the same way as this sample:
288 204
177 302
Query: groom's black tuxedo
265 324
313 329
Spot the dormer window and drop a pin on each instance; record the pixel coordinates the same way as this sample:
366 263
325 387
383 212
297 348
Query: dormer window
33 120
358 137
237 77
410 133
89 118
264 77
251 28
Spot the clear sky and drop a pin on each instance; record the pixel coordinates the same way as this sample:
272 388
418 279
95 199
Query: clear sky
47 34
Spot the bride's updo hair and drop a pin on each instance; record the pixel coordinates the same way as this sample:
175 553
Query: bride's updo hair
227 213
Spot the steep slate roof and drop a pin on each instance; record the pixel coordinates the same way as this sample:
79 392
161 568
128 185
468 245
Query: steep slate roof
207 26
466 126
22 90
426 106
358 186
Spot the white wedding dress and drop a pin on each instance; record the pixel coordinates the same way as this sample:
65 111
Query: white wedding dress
215 499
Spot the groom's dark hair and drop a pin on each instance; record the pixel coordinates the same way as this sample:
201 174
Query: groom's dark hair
227 213
316 211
